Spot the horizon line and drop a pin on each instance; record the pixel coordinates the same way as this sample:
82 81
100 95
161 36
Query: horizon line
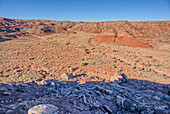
85 21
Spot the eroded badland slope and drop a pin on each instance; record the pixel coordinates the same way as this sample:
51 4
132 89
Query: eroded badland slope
35 51
138 49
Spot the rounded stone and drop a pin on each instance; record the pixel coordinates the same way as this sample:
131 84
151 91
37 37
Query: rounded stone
127 104
9 112
43 109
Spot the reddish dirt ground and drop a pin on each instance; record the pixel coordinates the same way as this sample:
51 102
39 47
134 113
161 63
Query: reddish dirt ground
123 41
43 49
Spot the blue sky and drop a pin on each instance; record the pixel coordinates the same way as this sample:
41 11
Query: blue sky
86 10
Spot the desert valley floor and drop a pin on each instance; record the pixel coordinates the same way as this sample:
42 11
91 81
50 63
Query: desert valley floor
36 51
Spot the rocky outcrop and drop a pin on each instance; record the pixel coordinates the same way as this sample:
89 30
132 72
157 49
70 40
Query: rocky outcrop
123 34
153 29
120 96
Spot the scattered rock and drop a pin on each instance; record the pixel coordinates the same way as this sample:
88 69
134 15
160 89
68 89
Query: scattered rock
84 99
107 109
124 103
157 98
23 105
2 89
119 78
52 83
90 97
132 96
9 112
159 111
108 92
65 92
64 77
42 82
19 100
6 93
63 83
127 104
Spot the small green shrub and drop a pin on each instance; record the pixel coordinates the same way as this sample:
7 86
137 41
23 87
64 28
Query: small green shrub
140 68
148 56
133 67
148 64
92 48
142 64
82 63
72 69
113 50
137 60
114 66
87 51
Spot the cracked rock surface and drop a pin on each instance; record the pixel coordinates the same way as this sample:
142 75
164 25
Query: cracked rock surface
62 97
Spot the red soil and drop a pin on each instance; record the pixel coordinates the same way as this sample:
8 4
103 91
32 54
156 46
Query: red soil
129 41
132 42
106 38
51 48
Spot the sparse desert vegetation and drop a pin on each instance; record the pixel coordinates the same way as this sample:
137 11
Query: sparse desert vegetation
55 54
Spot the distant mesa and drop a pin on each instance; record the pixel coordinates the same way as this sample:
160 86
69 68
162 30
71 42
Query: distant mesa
133 34
10 20
1 18
4 19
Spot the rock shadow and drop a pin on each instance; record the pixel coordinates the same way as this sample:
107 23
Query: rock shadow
130 96
4 39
